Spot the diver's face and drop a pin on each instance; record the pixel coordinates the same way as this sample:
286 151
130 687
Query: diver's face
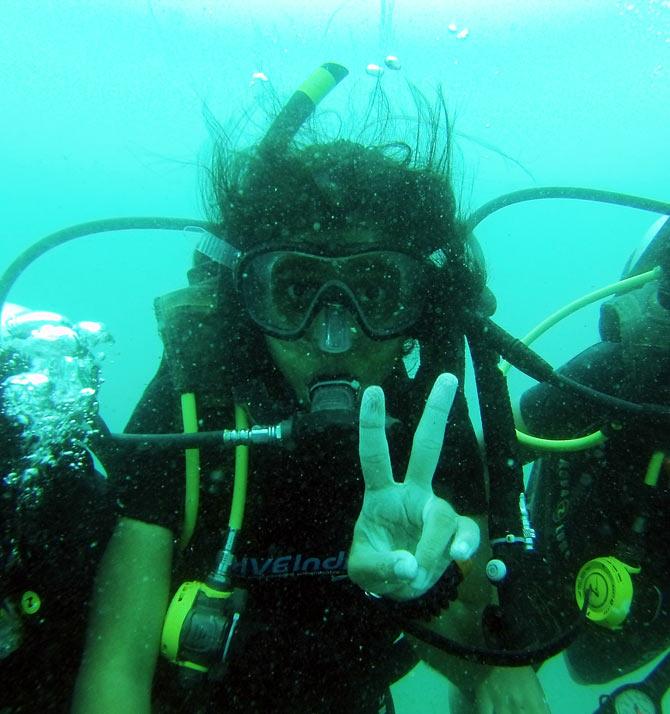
303 362
334 346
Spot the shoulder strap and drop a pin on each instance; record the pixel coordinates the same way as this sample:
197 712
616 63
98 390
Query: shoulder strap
195 340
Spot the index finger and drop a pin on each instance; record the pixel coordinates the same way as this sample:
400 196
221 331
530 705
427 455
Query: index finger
429 435
373 447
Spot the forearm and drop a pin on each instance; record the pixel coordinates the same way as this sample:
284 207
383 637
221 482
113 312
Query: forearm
123 638
459 624
103 690
462 622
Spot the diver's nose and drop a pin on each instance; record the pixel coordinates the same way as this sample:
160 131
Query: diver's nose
333 329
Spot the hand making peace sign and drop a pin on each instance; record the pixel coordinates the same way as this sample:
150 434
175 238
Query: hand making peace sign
405 536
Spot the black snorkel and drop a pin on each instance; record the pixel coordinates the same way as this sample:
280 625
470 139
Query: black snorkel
300 107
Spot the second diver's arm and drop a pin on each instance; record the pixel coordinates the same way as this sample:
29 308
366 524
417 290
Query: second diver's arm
126 620
481 688
461 621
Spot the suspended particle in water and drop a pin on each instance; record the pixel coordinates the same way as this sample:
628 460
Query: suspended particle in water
463 34
374 70
392 62
452 27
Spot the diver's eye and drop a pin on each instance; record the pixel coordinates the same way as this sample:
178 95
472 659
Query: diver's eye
373 293
301 290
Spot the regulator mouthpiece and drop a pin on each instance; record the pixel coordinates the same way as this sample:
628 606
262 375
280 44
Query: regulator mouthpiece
334 395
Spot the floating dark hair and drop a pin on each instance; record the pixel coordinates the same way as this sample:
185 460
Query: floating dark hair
371 180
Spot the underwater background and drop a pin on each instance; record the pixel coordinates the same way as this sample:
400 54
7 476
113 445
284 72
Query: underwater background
104 114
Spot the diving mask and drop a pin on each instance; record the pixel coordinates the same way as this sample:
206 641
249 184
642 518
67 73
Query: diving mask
284 289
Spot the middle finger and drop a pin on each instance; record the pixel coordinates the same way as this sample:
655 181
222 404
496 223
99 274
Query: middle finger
429 434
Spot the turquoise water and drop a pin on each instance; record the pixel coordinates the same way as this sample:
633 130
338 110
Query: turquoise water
102 116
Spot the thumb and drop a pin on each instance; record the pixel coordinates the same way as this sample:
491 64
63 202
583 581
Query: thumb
381 572
466 539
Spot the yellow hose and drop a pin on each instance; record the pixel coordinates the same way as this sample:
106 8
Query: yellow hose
654 469
597 437
241 474
189 415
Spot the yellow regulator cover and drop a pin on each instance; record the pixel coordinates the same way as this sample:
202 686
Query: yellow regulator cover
30 602
181 605
611 590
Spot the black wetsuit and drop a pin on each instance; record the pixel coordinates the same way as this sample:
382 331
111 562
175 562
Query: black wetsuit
583 505
313 641
50 544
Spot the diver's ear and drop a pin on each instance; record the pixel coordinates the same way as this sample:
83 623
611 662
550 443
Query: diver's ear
487 303
483 300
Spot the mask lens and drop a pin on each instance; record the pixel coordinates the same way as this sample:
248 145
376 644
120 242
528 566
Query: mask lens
389 290
283 289
293 284
278 289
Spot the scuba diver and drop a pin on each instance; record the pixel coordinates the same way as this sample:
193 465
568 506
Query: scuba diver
290 561
48 381
333 271
601 513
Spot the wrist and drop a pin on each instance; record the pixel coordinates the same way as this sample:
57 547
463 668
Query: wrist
431 603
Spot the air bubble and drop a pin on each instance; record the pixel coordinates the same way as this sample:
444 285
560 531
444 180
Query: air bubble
259 77
392 62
